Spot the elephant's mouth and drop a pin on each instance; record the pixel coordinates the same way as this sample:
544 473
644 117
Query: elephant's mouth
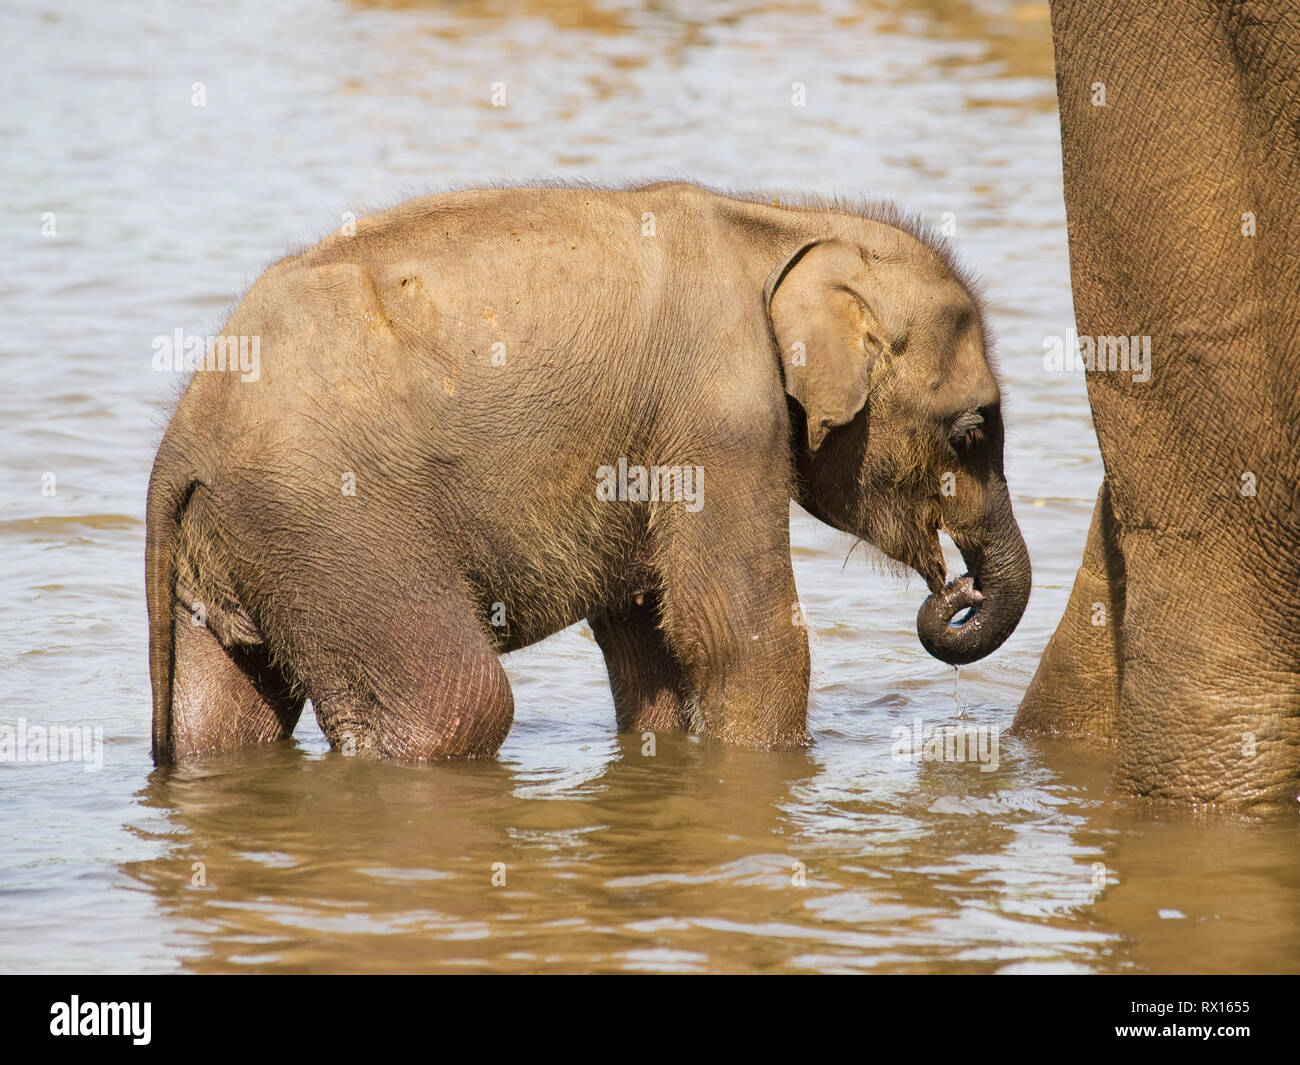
931 565
951 603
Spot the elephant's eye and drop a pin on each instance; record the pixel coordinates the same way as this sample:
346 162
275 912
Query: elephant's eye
966 431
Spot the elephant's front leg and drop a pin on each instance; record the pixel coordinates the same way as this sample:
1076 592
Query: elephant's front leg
650 689
731 617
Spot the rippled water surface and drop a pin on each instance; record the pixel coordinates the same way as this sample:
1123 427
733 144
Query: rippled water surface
840 858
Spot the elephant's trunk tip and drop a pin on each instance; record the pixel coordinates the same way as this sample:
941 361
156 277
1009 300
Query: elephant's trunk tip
939 634
994 595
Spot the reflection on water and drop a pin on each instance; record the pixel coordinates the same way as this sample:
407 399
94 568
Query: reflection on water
577 849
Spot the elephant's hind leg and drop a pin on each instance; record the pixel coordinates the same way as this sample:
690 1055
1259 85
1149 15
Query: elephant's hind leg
426 685
649 684
224 697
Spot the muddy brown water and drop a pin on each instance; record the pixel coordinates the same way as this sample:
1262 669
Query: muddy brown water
605 857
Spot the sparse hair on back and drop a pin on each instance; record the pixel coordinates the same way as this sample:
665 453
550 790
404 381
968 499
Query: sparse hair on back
886 212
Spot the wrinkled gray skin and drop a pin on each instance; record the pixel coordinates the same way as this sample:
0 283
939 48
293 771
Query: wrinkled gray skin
1178 645
472 360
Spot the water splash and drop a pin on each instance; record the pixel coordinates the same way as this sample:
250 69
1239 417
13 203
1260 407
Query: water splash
956 695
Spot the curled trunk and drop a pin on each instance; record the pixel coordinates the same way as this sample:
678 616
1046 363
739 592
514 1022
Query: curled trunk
993 592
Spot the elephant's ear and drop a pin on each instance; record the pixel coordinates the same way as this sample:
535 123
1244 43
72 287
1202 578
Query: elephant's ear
821 328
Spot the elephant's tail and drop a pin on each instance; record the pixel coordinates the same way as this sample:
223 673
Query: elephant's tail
169 490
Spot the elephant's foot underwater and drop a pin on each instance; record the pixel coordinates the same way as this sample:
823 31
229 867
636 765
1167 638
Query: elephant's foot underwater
417 479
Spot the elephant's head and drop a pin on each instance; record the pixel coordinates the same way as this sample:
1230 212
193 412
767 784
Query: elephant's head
898 429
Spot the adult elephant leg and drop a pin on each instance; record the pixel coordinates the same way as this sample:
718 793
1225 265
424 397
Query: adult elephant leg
731 616
1075 690
1181 161
649 684
224 698
1209 713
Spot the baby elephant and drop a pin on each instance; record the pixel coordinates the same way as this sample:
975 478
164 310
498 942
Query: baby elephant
484 416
